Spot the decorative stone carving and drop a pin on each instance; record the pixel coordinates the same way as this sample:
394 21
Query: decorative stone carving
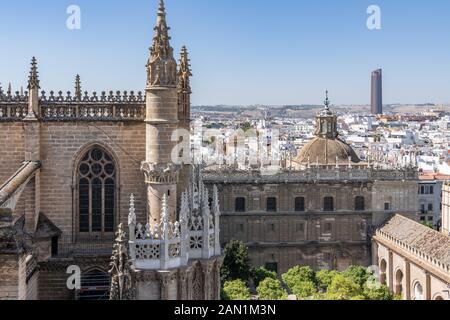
122 286
157 174
161 66
184 87
33 79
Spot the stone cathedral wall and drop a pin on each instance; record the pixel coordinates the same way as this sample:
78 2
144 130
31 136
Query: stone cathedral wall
62 145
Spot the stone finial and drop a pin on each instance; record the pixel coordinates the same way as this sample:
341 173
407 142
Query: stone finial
184 72
33 79
132 214
327 101
9 92
184 208
122 285
165 217
78 92
161 66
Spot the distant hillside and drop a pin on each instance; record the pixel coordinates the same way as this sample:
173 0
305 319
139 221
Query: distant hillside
301 111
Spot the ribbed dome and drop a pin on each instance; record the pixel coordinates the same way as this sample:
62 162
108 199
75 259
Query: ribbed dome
326 148
326 151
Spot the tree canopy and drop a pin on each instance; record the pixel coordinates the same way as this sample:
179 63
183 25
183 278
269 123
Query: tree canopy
261 274
236 263
235 290
271 289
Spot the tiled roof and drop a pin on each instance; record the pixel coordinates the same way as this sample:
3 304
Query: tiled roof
422 238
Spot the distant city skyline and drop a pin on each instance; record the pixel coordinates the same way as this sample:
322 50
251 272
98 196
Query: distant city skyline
284 52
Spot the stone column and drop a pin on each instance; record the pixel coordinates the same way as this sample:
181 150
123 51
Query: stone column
375 258
427 293
391 271
407 280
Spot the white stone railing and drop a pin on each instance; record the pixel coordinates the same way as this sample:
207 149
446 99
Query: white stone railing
156 248
170 245
415 252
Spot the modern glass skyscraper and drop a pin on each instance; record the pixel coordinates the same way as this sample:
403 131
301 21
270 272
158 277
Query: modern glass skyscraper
377 92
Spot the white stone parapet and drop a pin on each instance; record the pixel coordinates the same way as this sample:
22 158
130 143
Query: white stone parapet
171 244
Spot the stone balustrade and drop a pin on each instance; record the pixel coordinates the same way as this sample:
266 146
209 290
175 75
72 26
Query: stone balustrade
170 245
310 175
119 106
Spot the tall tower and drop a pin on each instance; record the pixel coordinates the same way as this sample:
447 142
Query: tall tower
377 92
161 173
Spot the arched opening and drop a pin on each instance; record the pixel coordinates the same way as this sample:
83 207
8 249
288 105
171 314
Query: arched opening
438 298
95 285
418 292
383 268
399 283
96 177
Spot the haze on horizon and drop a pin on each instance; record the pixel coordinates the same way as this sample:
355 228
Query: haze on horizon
243 52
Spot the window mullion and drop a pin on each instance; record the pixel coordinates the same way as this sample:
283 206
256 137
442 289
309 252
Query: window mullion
90 206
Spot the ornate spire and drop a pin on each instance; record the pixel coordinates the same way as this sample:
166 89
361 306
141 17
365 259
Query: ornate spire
33 79
122 285
132 214
161 66
9 92
78 92
184 86
184 72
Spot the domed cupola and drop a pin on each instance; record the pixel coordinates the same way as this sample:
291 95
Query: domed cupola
326 149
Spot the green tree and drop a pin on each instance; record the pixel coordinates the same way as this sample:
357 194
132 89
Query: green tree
236 263
261 274
235 290
374 290
299 274
304 289
343 288
324 279
270 289
358 274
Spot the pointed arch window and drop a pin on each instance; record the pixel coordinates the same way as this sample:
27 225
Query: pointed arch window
96 193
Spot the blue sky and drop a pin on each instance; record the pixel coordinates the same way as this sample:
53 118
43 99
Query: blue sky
242 51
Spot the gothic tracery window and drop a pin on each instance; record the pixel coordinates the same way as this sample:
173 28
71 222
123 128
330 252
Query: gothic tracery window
96 193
